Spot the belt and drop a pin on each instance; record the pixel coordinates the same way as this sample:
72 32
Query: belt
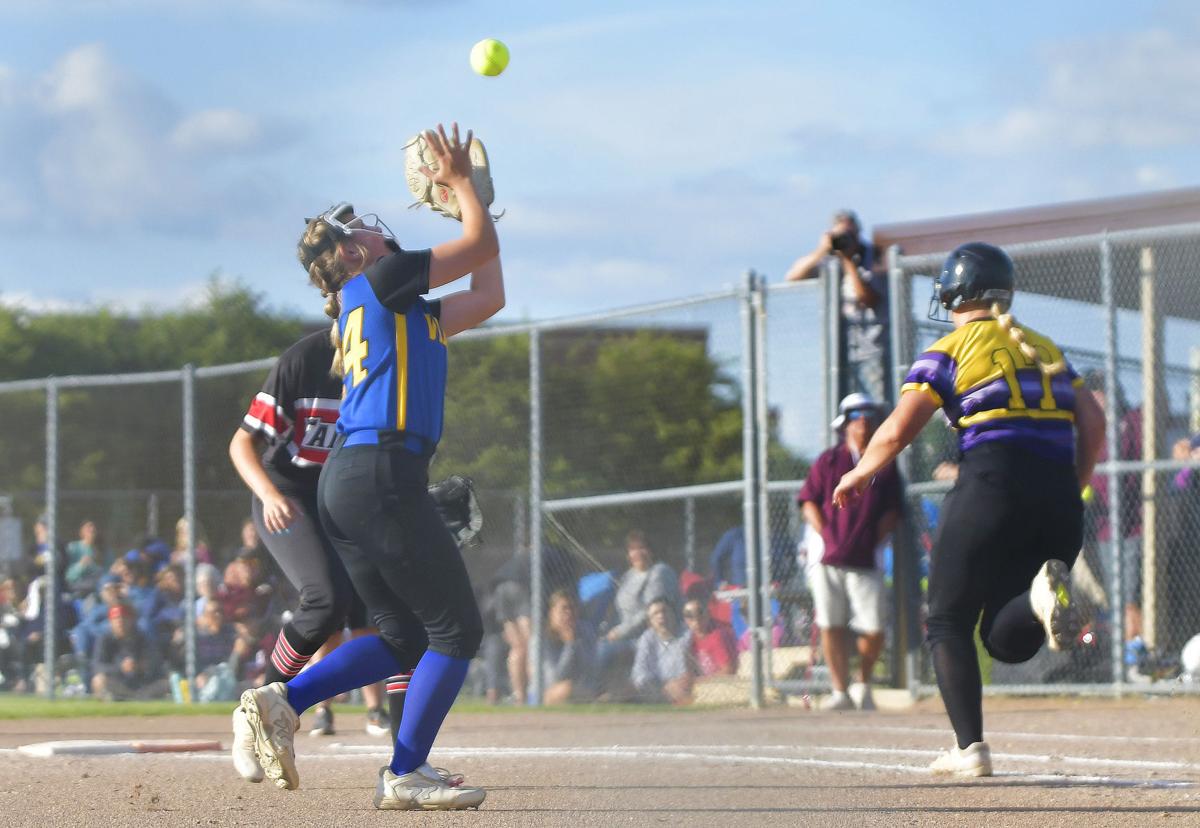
414 443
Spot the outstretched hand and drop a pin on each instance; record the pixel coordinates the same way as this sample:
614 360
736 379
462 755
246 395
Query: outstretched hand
451 155
850 487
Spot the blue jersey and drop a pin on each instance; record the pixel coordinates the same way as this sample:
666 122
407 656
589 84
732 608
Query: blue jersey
393 353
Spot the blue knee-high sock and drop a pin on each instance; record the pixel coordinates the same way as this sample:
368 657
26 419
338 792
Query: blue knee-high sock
356 663
433 689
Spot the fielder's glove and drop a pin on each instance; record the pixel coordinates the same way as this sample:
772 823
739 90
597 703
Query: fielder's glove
439 197
459 508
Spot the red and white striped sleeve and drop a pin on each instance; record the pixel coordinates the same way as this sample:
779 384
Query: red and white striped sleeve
266 416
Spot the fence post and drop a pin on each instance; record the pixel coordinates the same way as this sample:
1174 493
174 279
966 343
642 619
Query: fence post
831 279
758 298
1155 414
905 584
188 376
535 517
1116 603
50 590
749 493
689 533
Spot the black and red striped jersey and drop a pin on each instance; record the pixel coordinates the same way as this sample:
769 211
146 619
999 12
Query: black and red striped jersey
296 413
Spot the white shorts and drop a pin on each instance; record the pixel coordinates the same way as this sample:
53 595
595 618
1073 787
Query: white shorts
845 597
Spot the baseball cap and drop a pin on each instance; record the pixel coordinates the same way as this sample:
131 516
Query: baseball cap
118 610
854 406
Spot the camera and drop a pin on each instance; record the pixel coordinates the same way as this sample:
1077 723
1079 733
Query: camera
842 242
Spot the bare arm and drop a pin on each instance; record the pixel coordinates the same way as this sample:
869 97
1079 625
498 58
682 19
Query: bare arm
245 450
897 431
864 294
478 243
807 267
481 301
812 516
1089 434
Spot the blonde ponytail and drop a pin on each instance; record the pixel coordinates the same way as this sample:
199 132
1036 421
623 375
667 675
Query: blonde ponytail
318 252
1005 319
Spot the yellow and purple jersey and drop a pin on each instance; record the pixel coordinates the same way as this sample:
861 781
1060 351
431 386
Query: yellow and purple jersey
990 391
393 354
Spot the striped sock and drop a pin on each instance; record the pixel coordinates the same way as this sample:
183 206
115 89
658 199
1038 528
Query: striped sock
290 655
356 663
397 689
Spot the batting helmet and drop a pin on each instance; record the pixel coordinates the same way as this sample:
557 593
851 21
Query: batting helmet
975 271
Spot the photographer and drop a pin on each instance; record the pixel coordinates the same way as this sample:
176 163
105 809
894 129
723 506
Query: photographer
864 303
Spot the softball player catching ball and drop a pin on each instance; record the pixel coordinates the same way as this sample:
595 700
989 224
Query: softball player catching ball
372 494
1012 525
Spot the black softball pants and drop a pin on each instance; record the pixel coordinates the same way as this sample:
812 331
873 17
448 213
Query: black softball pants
402 560
1009 512
308 560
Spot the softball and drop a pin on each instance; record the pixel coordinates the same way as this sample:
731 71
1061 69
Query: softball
489 57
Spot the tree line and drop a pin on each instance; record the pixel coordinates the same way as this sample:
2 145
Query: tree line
623 409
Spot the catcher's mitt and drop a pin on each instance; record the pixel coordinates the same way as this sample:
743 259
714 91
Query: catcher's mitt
459 508
439 197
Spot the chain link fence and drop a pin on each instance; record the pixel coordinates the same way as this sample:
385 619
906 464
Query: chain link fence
635 454
580 435
1126 310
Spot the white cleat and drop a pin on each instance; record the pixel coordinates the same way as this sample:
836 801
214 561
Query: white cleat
860 694
245 762
417 792
1052 602
273 724
973 760
837 700
454 780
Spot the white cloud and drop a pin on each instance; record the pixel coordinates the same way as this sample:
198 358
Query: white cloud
1152 177
89 145
1135 90
217 130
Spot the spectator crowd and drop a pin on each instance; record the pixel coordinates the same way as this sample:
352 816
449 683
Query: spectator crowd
121 617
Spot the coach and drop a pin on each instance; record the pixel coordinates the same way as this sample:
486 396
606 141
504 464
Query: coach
847 583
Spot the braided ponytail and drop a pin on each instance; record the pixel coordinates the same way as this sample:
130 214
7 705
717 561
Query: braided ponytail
318 253
1005 319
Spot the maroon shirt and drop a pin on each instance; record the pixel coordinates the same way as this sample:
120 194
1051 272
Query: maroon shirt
1129 441
851 534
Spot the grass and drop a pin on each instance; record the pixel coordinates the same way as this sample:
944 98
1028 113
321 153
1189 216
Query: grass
36 707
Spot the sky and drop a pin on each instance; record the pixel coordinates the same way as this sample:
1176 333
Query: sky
641 150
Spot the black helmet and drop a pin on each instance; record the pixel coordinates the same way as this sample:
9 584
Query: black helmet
973 271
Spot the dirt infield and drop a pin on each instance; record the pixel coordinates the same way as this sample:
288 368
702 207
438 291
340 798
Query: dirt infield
1059 762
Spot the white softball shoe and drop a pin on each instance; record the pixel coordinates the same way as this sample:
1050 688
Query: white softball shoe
245 762
860 693
273 724
416 791
973 760
1055 606
837 700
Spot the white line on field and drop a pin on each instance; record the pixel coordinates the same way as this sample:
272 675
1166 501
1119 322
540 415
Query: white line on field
672 752
1011 734
361 752
1019 757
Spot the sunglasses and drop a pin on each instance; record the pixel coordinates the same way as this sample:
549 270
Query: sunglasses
693 615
